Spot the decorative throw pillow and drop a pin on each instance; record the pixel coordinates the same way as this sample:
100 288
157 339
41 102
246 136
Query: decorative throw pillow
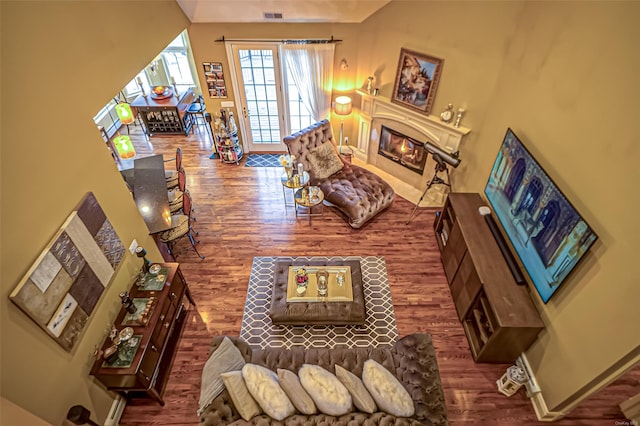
330 396
225 358
242 400
361 397
290 383
325 161
264 387
386 390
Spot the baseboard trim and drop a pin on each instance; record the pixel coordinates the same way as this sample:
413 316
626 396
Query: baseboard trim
535 394
117 408
541 409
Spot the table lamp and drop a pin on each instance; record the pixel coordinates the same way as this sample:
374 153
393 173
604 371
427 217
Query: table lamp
343 108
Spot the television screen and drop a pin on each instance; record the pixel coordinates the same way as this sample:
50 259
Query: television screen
548 234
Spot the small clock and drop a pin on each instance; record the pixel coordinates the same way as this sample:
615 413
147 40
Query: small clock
447 114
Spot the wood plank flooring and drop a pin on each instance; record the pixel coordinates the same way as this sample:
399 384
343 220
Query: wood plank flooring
240 214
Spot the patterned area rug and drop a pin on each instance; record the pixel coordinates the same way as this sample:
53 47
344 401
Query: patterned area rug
380 323
263 160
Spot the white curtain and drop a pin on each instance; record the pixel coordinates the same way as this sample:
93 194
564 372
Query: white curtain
311 69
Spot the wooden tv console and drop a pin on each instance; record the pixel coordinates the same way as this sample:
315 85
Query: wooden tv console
498 316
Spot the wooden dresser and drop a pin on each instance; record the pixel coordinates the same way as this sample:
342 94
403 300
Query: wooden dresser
498 315
143 364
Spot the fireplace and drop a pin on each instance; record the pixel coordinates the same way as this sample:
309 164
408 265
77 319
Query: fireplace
402 149
380 119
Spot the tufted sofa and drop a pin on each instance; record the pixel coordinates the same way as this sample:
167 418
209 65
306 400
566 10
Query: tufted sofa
355 191
412 360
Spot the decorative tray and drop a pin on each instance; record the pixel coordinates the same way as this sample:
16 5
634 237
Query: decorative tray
126 352
153 282
144 309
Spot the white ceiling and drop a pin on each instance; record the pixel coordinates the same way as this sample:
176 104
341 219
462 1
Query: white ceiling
207 11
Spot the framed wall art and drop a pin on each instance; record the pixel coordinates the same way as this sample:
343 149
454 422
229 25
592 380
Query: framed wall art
214 78
416 80
62 288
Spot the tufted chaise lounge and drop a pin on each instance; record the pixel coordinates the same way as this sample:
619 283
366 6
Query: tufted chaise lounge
355 191
411 359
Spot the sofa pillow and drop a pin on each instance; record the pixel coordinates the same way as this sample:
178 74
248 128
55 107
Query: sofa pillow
225 358
242 399
264 387
290 383
325 161
329 395
386 390
361 397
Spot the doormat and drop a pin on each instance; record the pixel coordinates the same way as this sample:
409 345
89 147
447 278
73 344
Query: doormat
380 321
263 160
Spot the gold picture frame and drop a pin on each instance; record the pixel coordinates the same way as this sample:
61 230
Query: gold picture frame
416 80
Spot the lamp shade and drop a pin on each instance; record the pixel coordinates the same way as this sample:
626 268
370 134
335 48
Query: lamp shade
124 146
124 113
343 105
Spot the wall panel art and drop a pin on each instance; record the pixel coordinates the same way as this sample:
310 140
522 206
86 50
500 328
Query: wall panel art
64 285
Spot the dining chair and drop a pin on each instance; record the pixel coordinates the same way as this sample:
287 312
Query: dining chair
181 227
171 176
176 195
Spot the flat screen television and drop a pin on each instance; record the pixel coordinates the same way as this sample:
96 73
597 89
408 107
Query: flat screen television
545 230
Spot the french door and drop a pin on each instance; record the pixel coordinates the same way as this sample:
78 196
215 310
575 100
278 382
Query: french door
257 83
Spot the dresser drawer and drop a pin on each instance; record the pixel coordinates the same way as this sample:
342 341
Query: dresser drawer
164 324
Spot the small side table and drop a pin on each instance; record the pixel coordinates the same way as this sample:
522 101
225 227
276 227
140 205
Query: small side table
308 198
293 184
346 153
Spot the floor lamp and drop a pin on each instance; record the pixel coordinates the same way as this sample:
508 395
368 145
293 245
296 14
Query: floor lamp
343 108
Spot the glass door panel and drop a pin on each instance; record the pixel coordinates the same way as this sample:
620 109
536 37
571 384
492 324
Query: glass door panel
260 96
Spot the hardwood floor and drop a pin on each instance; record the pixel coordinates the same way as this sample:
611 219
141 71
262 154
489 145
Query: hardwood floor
240 214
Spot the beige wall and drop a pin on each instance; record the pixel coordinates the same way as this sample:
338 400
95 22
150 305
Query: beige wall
562 75
61 62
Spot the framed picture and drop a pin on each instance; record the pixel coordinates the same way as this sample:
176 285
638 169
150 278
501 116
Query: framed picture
416 80
62 288
214 77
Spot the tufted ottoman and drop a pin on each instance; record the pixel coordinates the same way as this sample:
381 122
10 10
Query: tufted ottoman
358 193
412 360
316 313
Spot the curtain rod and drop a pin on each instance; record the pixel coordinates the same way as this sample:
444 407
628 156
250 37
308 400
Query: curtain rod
298 41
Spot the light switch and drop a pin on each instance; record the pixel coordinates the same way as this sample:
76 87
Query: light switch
133 246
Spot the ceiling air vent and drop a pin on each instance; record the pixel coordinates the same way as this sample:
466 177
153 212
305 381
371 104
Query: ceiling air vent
272 15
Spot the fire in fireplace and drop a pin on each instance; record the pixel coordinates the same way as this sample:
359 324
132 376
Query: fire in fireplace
402 149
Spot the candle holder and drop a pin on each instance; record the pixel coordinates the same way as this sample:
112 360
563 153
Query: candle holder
458 117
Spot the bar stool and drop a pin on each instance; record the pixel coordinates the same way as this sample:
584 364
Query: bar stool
197 110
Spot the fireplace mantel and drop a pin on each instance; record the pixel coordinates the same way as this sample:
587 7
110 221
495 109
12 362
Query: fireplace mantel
378 110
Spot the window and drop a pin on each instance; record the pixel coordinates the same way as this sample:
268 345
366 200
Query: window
174 61
299 115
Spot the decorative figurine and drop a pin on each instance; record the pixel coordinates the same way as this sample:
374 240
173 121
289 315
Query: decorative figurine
146 263
127 303
340 278
369 83
447 114
458 117
302 278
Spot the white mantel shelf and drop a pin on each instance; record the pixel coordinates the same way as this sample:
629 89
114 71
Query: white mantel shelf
406 115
